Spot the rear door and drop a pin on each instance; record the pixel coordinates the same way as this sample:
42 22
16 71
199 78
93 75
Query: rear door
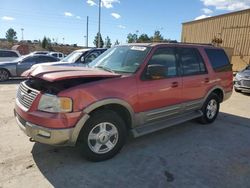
161 97
196 79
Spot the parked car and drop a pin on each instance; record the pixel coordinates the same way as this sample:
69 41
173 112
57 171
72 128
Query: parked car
17 67
137 88
58 55
40 52
78 58
8 55
242 80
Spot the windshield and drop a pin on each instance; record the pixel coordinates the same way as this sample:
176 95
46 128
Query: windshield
73 57
122 59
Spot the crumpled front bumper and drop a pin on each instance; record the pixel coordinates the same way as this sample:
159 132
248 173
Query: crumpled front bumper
44 135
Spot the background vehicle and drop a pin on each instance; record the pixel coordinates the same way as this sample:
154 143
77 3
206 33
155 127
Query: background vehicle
242 80
140 88
23 63
40 52
8 55
78 58
58 55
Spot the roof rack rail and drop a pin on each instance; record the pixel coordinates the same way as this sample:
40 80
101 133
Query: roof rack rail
209 44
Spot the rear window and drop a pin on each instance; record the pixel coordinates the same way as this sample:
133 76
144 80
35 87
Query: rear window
218 60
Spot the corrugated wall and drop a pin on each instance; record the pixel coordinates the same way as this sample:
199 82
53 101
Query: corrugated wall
233 29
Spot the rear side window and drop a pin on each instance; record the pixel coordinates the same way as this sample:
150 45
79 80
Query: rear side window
191 61
218 60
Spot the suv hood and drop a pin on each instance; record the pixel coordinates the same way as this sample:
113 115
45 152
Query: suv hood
54 73
245 73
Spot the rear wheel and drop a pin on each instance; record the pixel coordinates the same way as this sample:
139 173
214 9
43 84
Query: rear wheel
103 136
4 75
210 109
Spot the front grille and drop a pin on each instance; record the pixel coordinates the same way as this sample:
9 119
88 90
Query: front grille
26 95
245 83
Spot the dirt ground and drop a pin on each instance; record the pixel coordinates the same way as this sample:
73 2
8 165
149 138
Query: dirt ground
186 155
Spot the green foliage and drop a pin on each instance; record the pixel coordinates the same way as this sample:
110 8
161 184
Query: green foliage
132 38
46 43
117 42
11 35
143 38
157 37
96 41
108 43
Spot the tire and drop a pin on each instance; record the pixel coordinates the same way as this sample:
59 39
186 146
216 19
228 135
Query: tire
210 109
103 136
4 75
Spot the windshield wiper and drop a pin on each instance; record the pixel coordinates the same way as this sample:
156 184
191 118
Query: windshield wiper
105 68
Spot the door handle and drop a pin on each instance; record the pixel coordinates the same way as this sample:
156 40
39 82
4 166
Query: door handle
206 80
174 84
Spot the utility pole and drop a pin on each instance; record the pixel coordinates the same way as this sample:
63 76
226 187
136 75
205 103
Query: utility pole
87 33
99 26
22 32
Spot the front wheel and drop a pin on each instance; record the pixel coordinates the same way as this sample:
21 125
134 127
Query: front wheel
210 109
4 75
103 136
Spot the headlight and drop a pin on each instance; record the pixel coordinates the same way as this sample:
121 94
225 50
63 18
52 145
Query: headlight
52 103
238 77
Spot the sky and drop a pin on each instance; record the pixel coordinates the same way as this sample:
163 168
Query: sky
64 21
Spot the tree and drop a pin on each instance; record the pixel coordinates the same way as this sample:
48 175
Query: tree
143 38
117 42
108 43
96 41
46 43
157 36
11 35
132 38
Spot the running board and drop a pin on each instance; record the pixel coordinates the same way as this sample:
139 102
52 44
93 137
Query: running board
156 126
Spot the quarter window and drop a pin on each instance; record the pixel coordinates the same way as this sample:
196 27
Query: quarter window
191 61
218 60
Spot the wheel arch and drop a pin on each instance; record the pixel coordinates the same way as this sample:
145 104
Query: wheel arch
2 68
117 105
218 91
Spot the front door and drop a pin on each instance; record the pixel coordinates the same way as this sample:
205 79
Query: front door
161 97
25 64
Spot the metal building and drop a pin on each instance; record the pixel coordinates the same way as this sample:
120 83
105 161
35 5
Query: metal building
230 31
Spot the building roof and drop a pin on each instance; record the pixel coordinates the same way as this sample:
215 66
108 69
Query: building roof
221 15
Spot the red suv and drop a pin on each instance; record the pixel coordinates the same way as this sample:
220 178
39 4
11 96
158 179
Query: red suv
138 88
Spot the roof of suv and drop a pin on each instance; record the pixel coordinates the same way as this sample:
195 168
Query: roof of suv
88 49
166 43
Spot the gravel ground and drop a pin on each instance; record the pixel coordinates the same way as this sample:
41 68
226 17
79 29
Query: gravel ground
186 155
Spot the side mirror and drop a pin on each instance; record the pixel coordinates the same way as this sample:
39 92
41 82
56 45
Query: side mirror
82 59
156 71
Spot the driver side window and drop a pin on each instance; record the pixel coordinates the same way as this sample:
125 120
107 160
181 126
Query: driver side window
29 60
91 57
165 57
